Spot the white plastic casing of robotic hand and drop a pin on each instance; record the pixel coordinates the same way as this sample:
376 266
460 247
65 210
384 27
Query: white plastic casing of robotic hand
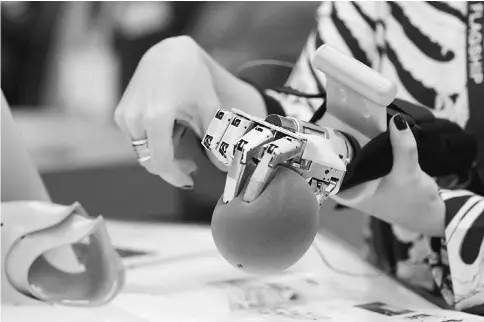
357 97
39 264
356 94
318 154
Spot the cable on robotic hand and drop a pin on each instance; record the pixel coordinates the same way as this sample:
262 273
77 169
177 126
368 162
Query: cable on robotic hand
291 91
264 62
282 89
285 89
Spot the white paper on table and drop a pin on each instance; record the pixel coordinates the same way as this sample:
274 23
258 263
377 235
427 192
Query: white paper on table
343 311
188 309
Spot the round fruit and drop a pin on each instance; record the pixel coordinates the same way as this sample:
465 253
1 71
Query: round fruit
271 233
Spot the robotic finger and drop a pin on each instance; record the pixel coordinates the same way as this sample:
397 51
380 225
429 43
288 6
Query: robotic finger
215 132
246 148
273 154
237 128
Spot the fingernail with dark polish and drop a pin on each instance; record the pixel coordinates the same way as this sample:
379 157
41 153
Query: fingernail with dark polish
400 122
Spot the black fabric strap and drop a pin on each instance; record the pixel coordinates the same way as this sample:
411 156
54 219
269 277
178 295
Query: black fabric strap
418 113
443 149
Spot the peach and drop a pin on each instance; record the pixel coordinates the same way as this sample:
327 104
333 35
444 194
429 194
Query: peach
271 233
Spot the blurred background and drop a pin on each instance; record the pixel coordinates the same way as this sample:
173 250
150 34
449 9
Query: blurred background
65 65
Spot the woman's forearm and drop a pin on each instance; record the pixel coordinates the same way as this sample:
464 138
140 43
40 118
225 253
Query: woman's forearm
20 178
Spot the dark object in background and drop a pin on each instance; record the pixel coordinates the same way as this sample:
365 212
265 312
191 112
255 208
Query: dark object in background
130 49
28 33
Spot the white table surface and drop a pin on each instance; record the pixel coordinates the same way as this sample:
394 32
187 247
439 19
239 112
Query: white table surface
185 279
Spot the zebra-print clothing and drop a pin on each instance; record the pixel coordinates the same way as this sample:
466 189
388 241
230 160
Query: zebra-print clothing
422 47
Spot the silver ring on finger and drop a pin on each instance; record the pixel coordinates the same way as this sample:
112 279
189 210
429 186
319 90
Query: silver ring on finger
141 149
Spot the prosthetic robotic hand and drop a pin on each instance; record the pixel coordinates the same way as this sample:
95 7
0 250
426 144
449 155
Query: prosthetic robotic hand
343 157
53 254
254 148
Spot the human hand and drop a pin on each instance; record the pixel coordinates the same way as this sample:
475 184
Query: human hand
407 196
171 83
176 81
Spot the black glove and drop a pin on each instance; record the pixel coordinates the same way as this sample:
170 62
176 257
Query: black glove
443 147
